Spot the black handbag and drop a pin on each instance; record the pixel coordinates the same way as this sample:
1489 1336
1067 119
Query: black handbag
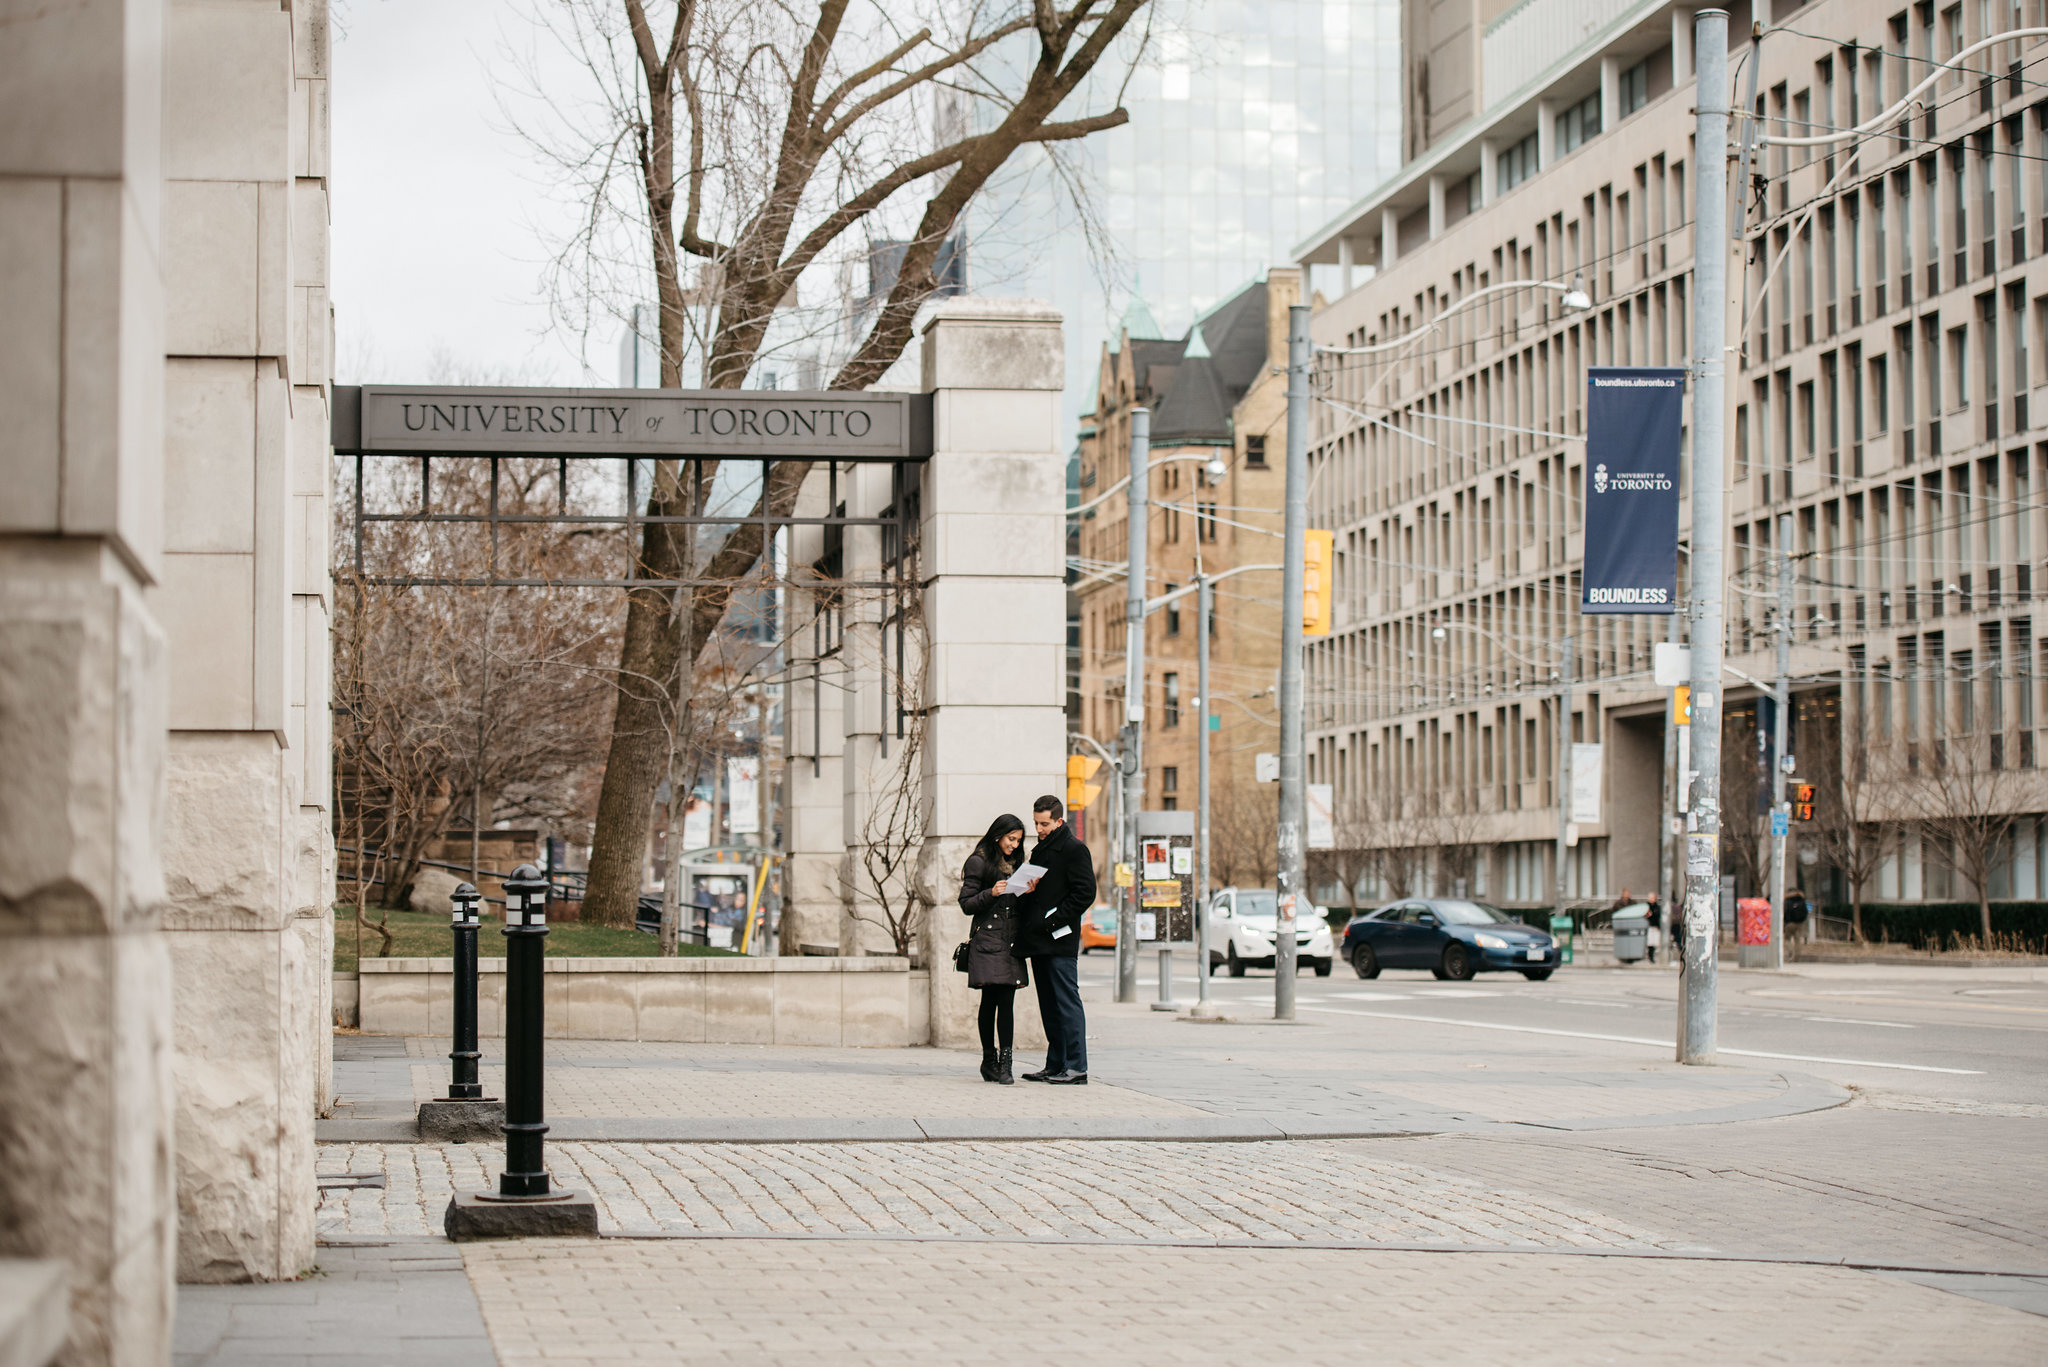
960 956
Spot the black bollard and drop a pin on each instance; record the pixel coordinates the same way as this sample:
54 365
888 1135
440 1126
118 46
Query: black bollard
524 1203
526 933
465 1113
462 1079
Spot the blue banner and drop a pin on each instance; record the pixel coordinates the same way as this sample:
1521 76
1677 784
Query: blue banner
1634 417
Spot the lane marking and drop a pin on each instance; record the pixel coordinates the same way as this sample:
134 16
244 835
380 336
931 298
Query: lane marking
1875 1000
1852 1020
1635 1039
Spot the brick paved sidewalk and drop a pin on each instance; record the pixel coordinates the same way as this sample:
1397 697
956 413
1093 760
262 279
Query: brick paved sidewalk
779 1301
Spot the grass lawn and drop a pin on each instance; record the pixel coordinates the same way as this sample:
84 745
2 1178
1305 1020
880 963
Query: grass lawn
423 934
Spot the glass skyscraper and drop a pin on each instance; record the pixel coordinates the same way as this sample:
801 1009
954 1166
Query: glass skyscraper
1253 122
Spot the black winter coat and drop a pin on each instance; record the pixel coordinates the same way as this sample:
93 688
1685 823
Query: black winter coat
1052 912
992 958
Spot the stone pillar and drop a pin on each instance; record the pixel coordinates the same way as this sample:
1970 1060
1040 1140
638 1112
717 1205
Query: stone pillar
243 599
1610 94
1546 134
1437 209
85 1006
814 735
993 561
1489 167
876 844
1390 238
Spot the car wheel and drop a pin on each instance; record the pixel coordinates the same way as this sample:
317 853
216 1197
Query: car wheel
1458 965
1537 975
1236 964
1366 962
1322 967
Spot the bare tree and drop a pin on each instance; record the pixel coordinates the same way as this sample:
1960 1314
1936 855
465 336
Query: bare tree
759 137
1745 822
1855 825
877 882
1460 845
1243 825
1966 798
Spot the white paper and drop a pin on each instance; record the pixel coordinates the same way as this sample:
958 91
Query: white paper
1183 860
1322 816
1020 882
1586 784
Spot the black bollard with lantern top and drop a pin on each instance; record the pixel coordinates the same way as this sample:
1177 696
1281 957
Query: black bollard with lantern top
525 1202
465 1113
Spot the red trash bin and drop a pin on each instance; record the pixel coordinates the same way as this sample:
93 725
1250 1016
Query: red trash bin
1753 921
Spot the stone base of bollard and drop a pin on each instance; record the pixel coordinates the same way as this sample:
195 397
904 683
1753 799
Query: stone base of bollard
457 1122
480 1215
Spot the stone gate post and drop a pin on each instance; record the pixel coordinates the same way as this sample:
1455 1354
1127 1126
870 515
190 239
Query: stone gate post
993 560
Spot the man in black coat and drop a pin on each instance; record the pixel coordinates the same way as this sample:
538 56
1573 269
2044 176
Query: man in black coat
1049 932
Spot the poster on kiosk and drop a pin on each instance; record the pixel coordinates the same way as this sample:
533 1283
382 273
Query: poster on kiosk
1634 428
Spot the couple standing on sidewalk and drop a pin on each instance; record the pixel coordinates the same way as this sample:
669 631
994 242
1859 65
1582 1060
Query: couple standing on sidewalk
1034 920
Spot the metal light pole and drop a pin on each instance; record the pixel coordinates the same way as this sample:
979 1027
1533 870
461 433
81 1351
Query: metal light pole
1293 792
1205 594
1781 697
1564 763
462 1059
1138 503
1697 998
526 933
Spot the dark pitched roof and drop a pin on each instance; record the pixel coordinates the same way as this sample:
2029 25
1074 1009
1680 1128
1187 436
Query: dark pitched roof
1205 389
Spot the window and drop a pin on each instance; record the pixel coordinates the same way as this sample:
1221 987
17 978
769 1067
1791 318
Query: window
1517 164
1578 124
1742 441
1880 395
1173 613
1172 701
1806 420
1255 451
1205 520
1959 364
1169 778
1635 87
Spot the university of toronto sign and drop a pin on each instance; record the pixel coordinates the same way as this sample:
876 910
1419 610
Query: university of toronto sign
746 424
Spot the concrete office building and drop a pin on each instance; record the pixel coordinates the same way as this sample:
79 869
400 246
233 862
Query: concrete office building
1879 399
165 866
1214 396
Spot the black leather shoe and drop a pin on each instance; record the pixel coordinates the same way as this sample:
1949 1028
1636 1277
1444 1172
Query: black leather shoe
1069 1078
1041 1075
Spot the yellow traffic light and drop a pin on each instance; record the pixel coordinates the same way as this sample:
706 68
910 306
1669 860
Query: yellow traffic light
1802 802
1319 551
1080 792
1681 705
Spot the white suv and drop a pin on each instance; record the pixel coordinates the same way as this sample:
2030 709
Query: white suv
1241 926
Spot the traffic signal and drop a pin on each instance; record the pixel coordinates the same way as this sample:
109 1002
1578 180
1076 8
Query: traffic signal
1319 549
1802 802
1080 792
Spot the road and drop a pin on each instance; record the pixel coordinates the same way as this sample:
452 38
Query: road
1974 1037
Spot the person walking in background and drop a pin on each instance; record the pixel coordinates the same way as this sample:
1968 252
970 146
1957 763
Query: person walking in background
994 967
1049 935
1656 925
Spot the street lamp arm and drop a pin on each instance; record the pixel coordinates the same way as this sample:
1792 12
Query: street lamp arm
1113 490
1574 299
1154 604
1505 648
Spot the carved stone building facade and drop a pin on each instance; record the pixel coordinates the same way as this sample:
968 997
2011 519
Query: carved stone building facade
165 867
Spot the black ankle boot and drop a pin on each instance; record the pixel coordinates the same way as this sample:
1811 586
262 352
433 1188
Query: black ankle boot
988 1065
1003 1069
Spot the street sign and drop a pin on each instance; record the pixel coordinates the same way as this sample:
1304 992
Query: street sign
1781 823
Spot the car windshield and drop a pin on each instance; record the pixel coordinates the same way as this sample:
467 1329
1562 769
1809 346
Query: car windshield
1256 906
1471 914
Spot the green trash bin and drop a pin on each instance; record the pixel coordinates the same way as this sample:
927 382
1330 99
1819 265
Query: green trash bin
1561 930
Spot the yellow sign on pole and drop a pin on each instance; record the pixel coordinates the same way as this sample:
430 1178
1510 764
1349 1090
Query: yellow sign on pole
1123 875
1681 705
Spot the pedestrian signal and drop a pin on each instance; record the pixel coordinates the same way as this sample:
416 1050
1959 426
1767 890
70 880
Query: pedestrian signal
1319 549
1080 792
1802 802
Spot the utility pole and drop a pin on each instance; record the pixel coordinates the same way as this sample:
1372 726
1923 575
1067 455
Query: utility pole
1205 594
1137 501
1668 895
1781 697
1293 792
1564 763
1697 997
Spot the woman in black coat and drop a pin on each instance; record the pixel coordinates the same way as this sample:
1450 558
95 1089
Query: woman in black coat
993 964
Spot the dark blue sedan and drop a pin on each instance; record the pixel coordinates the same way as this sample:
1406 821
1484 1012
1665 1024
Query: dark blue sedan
1451 937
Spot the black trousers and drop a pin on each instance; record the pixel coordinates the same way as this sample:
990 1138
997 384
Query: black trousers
1058 979
998 1017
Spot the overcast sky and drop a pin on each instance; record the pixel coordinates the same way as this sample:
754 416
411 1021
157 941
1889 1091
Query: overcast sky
437 207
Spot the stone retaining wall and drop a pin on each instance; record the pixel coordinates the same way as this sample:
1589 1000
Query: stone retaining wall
873 1002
